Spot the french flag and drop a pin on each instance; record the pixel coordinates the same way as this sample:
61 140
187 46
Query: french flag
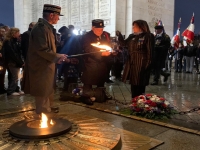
176 38
188 34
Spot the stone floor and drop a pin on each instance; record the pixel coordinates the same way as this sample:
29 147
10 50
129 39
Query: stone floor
181 90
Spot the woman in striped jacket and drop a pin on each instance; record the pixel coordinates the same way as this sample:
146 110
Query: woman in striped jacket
140 47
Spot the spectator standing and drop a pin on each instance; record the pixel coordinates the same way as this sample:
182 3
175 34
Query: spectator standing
25 40
13 59
2 65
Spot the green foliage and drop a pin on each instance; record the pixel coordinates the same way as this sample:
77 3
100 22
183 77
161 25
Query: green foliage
148 115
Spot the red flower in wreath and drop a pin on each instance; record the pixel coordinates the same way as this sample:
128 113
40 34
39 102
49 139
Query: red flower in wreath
134 104
164 105
162 99
137 109
148 101
153 104
148 95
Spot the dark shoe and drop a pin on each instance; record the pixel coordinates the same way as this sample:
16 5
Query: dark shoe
55 109
154 83
108 96
3 91
109 81
166 77
179 71
187 72
86 100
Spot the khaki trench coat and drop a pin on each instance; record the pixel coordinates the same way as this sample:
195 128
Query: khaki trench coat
41 58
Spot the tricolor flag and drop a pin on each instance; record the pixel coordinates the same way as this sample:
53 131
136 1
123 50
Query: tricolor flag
176 38
188 34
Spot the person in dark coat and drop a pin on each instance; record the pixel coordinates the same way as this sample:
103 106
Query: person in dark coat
190 53
140 47
2 64
25 40
13 59
162 44
197 58
178 58
95 71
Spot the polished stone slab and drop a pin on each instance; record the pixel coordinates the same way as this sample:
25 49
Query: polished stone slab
86 133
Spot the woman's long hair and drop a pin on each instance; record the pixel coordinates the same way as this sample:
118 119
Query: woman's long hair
10 33
142 25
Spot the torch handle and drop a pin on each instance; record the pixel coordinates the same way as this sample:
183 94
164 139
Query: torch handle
70 56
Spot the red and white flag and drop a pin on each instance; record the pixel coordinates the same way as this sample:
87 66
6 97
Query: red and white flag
176 38
188 34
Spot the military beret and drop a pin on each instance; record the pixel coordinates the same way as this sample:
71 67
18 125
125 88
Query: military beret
98 23
158 27
52 9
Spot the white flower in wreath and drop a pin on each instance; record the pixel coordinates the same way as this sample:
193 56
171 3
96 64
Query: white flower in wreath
140 101
146 106
157 99
154 96
153 99
166 103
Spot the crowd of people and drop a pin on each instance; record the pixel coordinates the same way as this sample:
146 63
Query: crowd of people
46 55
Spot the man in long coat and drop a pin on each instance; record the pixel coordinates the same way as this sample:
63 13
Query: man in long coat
162 44
41 59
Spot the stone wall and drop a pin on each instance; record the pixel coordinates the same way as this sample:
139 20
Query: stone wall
80 13
118 14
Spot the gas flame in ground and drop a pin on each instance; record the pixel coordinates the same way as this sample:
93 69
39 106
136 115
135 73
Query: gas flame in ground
102 47
44 121
51 122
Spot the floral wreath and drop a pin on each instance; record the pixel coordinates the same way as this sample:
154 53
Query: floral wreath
151 106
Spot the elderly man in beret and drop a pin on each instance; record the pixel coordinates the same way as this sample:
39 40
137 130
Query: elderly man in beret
162 44
96 70
41 59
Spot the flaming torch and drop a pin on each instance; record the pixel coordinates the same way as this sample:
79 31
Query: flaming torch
103 48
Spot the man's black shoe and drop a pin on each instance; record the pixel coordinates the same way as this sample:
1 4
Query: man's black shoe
109 97
55 109
154 83
166 77
3 91
109 81
86 100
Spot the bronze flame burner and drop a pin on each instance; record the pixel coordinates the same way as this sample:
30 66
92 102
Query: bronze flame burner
30 129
